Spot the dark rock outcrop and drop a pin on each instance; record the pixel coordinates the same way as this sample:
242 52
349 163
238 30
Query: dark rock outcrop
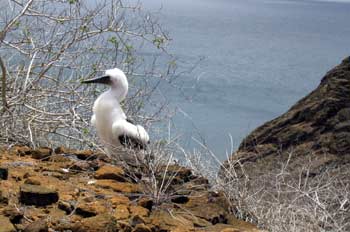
3 173
316 128
37 195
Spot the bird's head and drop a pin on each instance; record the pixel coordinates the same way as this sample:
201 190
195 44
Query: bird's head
114 78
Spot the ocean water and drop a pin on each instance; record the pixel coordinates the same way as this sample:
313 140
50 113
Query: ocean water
258 58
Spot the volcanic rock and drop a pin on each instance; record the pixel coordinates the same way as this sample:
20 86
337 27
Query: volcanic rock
41 153
37 195
138 210
3 198
316 128
122 212
14 214
89 209
103 222
3 173
142 228
105 198
6 225
119 200
119 186
110 172
136 220
65 206
145 202
37 226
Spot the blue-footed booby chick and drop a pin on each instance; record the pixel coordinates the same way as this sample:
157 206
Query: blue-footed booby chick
112 125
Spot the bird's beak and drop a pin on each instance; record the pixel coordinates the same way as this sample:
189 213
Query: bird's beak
100 80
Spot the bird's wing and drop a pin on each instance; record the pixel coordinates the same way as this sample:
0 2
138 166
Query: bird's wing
130 135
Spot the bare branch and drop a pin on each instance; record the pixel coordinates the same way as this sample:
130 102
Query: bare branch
3 85
14 20
51 45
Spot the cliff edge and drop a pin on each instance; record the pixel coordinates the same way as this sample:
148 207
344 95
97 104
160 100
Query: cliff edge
314 132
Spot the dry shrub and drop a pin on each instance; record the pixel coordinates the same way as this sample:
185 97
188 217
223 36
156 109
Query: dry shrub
290 200
48 47
158 172
283 197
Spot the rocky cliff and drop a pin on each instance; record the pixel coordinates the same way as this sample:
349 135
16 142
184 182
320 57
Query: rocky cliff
67 190
314 132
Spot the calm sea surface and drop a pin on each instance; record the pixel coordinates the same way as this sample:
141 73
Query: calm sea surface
260 57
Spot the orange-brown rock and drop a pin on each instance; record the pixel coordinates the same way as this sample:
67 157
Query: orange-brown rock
13 213
37 226
169 222
83 154
176 170
119 186
3 198
63 150
136 220
124 226
37 195
64 199
89 209
66 206
33 180
59 158
228 228
138 210
110 172
119 200
21 150
86 155
6 225
141 228
41 153
102 222
122 212
146 202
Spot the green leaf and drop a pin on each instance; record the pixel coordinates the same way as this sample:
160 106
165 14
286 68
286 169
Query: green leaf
158 41
113 40
85 131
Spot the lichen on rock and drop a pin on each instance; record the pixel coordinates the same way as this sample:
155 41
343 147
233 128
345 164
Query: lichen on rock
50 194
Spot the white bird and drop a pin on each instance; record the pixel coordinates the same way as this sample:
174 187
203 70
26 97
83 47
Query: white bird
112 125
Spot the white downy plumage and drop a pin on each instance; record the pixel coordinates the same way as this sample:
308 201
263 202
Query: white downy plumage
110 121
